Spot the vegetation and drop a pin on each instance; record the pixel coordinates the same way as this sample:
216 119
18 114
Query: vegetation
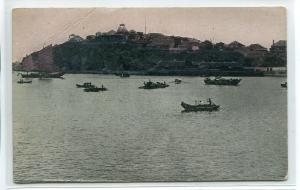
131 56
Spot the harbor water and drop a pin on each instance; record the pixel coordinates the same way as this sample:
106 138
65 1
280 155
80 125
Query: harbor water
126 134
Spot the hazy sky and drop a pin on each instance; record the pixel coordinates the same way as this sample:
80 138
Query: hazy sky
34 28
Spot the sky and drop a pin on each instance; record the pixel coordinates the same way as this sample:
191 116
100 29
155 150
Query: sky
35 28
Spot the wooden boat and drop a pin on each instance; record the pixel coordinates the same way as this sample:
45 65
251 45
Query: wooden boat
95 89
21 81
30 75
210 106
222 81
284 85
52 75
42 75
154 85
84 85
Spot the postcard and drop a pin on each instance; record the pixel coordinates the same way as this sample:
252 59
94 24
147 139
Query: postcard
149 94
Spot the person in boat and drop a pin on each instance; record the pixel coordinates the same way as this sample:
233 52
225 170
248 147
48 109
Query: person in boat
209 101
198 102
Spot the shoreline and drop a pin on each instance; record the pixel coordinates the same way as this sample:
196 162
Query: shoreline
175 73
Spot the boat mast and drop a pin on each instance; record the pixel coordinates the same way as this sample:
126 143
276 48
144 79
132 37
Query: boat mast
145 25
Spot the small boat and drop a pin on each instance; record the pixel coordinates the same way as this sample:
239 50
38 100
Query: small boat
95 89
85 85
45 75
284 85
42 75
154 85
53 75
210 106
222 81
21 81
177 81
30 75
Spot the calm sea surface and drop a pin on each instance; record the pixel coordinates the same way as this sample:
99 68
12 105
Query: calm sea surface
126 134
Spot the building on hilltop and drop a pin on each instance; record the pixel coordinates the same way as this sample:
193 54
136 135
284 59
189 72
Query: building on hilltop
257 53
115 38
98 34
219 46
279 51
111 32
235 45
90 37
257 48
206 45
75 38
121 35
135 36
132 31
190 44
160 41
185 46
122 29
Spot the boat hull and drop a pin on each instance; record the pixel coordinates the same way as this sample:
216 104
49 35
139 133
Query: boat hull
79 86
284 85
24 82
30 75
95 89
177 81
152 85
42 75
53 75
225 82
87 85
202 107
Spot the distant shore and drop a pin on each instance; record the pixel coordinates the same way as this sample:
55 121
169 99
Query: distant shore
180 73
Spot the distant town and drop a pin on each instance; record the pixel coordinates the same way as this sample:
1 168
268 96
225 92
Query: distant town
144 53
